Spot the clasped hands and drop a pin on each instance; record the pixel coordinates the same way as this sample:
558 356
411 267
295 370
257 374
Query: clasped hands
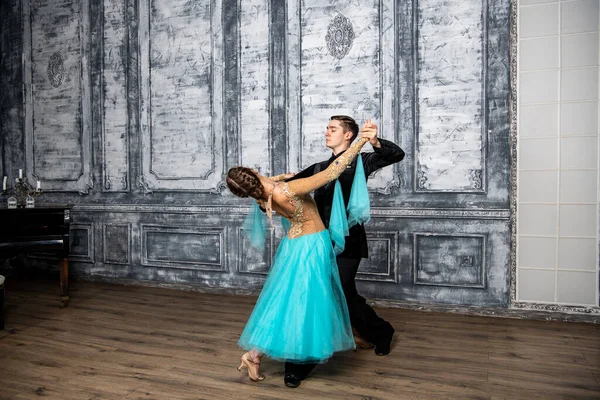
369 131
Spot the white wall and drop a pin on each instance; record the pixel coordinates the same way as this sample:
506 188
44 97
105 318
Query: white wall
558 100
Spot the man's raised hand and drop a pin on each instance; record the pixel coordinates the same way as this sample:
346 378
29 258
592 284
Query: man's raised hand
369 131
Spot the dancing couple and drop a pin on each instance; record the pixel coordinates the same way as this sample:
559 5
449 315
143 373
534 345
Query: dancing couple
309 304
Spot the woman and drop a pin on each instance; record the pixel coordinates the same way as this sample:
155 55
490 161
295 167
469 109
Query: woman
301 314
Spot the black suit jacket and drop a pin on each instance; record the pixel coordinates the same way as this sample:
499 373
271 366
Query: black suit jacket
356 242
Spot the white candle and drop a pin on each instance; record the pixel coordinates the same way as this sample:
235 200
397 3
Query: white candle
4 184
39 185
20 174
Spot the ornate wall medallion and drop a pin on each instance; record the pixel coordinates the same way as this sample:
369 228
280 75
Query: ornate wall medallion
56 69
340 36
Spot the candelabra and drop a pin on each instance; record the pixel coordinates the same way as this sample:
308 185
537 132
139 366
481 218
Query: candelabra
21 194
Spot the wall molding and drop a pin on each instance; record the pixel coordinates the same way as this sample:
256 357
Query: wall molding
481 214
514 43
564 314
521 305
376 212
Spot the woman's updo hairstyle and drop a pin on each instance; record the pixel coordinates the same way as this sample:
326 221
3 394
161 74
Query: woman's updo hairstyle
243 182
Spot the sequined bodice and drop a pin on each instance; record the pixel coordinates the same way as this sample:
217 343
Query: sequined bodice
305 218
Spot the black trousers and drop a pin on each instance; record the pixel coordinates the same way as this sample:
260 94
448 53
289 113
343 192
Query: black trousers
1 307
362 316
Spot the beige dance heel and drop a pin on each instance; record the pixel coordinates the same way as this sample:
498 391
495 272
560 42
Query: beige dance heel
252 366
361 342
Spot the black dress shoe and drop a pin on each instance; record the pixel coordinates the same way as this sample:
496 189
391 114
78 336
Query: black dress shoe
291 380
383 348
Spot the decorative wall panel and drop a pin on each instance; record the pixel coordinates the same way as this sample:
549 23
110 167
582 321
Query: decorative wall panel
381 264
450 95
82 243
190 247
116 243
181 95
11 81
255 261
450 260
255 149
115 121
57 102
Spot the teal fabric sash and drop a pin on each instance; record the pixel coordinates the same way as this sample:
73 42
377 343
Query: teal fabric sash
359 207
338 222
285 223
253 227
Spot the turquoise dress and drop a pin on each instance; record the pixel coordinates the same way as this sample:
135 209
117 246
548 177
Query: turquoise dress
301 314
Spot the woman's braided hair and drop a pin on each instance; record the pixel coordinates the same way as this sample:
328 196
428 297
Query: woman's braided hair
243 182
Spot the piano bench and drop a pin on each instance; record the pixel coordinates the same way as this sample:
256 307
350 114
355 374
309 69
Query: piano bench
1 303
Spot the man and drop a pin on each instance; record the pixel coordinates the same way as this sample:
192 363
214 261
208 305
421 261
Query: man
341 132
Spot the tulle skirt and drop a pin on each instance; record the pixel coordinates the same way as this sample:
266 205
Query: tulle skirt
301 314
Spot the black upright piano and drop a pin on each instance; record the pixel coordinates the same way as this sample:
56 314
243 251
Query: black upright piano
40 229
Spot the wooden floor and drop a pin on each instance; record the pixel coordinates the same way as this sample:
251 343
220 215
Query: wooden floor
118 342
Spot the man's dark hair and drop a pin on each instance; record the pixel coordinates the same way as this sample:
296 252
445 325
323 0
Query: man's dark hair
348 123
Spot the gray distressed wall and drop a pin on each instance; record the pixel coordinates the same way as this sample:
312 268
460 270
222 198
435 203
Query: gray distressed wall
133 111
